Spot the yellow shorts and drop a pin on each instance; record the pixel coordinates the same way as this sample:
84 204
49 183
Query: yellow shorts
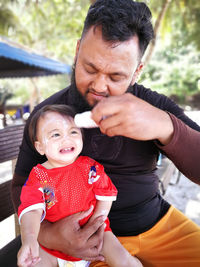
173 242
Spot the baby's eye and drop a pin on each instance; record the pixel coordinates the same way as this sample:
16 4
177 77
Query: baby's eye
74 132
55 135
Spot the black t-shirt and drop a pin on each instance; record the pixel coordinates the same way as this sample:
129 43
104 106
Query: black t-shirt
131 164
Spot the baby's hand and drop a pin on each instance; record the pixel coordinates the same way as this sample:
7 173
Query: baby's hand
28 255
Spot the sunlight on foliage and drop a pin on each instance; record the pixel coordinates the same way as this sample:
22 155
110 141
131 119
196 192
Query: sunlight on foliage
52 28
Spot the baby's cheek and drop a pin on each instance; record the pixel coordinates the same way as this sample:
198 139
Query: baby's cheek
80 144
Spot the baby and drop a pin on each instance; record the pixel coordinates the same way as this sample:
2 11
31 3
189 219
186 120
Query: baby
63 185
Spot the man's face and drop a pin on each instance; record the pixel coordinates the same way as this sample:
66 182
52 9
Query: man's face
105 69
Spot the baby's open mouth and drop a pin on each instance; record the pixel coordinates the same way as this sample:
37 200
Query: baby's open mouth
66 149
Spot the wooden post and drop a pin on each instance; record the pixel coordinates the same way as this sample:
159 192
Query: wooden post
17 227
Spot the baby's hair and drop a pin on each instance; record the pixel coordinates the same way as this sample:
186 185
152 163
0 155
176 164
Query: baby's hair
40 113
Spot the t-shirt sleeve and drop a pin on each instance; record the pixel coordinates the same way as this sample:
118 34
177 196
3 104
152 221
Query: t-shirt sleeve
32 197
184 149
103 187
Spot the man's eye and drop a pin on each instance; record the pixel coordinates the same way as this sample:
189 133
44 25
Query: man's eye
115 78
90 71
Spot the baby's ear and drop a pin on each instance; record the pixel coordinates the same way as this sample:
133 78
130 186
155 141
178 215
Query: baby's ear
39 147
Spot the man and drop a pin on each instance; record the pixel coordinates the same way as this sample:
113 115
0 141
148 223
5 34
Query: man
134 125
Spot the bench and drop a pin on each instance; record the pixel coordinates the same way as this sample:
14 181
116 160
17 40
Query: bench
166 171
10 140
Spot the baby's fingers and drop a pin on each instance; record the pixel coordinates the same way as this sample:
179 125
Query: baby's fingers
35 253
24 259
36 260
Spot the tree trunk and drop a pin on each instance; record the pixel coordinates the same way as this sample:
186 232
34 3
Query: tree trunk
156 31
35 96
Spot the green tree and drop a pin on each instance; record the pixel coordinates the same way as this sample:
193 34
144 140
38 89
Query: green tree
174 72
177 20
8 20
52 27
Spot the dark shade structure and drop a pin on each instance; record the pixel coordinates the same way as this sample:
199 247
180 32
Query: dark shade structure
18 63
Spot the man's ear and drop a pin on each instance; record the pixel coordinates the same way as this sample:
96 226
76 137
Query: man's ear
39 147
137 73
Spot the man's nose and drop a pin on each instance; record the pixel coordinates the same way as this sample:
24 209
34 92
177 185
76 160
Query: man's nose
100 84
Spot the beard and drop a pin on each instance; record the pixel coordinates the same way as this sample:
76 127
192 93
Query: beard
76 99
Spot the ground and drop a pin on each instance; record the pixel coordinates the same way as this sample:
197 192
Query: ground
186 197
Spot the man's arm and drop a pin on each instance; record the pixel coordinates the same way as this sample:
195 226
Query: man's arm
184 149
134 118
67 236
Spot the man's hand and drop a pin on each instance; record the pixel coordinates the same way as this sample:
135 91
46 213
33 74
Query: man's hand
67 236
128 115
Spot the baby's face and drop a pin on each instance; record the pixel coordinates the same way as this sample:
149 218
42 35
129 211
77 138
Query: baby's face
59 139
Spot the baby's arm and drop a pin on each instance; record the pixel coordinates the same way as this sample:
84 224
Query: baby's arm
115 254
102 208
30 226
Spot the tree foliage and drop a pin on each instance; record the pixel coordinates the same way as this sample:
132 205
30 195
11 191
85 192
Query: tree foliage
188 23
8 20
174 67
181 20
52 27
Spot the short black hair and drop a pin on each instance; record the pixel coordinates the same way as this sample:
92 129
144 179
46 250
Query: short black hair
64 110
120 20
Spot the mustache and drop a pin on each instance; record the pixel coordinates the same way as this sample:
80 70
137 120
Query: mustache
91 90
